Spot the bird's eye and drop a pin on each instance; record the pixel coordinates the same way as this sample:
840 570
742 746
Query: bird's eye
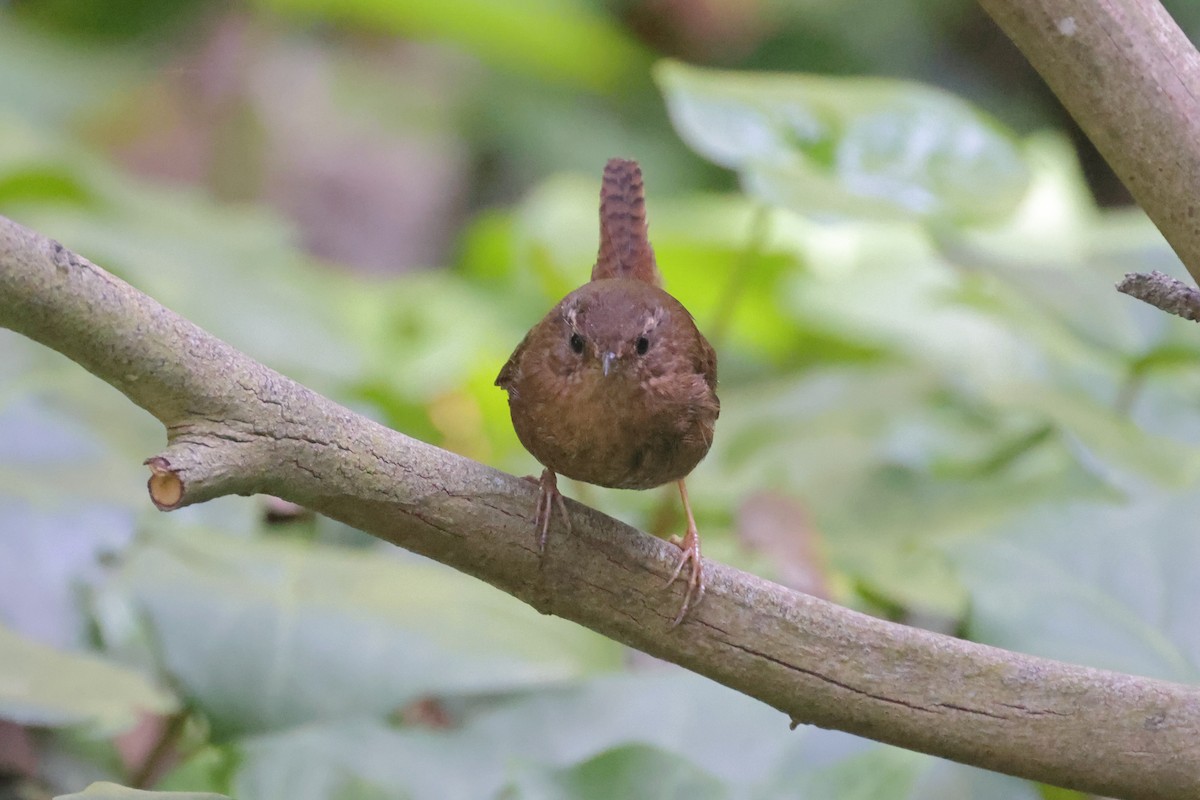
643 344
576 342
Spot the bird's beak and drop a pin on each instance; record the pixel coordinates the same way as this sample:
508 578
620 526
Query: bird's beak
607 361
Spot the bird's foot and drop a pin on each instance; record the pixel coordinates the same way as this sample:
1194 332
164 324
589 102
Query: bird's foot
694 588
690 545
548 498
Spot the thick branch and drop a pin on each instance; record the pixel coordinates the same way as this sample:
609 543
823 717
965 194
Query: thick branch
235 426
1131 79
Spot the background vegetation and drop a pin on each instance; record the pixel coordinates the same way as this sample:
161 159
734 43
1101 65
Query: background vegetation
935 408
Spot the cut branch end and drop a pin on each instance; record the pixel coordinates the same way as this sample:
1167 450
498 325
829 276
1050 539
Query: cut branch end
165 485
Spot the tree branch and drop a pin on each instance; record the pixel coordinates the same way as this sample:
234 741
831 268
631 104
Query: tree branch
1163 292
235 426
1131 79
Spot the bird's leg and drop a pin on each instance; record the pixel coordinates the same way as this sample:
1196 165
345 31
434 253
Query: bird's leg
690 545
548 498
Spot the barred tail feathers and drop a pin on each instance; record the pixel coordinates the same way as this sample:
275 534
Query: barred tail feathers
625 250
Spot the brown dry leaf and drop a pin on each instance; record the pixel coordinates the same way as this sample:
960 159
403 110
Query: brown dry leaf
778 526
17 755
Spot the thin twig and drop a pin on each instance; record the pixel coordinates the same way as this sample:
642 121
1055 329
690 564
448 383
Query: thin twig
1164 292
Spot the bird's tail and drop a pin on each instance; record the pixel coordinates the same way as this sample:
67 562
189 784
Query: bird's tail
625 250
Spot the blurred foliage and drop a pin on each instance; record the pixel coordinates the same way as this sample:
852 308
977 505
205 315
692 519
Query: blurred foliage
44 687
920 350
103 790
848 146
561 40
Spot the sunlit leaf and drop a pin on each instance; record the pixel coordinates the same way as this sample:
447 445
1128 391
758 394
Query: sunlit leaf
1056 223
423 335
557 41
848 146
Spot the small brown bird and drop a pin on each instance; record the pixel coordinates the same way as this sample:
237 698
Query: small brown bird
616 386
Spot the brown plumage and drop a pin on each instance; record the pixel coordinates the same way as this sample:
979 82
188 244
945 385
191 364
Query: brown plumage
625 250
616 386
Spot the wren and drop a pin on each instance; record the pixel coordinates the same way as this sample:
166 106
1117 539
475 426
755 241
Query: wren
616 386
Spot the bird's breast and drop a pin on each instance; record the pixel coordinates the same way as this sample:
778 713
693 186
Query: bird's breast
615 431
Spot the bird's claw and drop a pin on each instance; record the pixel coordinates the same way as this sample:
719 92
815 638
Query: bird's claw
548 498
694 587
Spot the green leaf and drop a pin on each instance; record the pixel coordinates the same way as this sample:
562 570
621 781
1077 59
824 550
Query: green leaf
112 791
1103 437
51 688
211 768
1057 221
945 780
402 330
561 42
606 733
886 286
849 146
1110 586
70 472
46 185
47 556
880 773
265 634
215 265
628 771
556 728
50 78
